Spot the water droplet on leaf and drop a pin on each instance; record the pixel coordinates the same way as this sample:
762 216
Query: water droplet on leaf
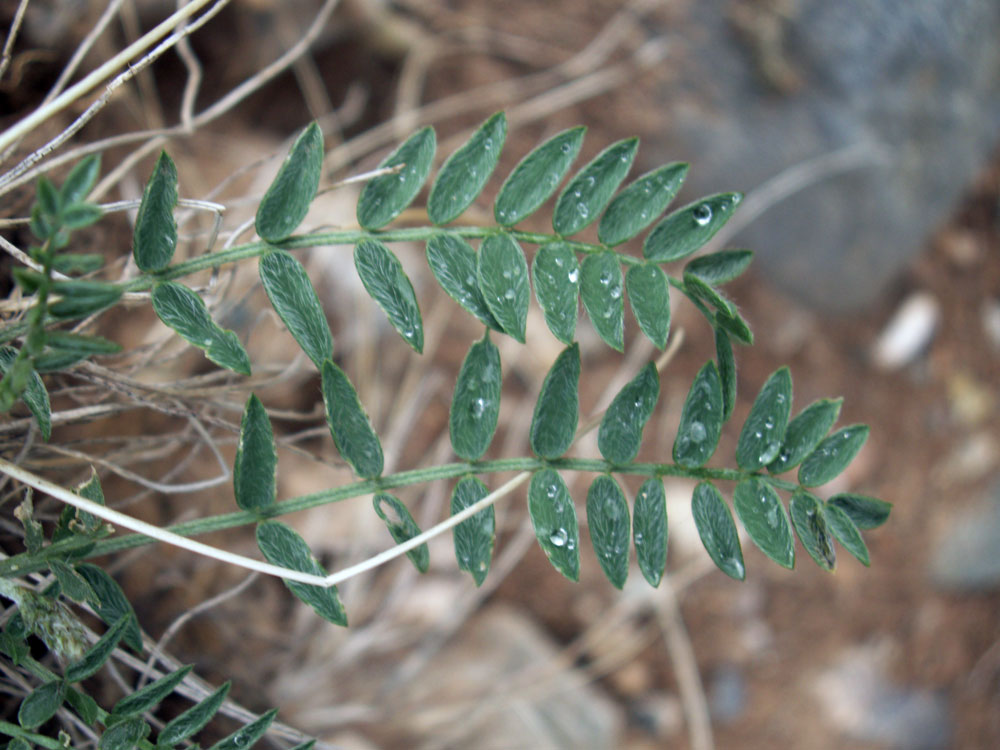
702 214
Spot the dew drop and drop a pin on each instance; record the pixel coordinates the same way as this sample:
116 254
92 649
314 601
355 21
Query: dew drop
616 292
638 539
582 209
553 490
702 214
591 181
509 294
758 434
769 424
781 398
605 278
478 407
488 143
737 566
571 544
508 274
697 432
559 262
573 276
559 537
470 280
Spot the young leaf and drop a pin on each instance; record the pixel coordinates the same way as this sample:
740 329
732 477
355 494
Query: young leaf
453 263
35 397
191 721
727 371
717 530
503 279
72 583
832 455
718 268
80 181
845 532
591 188
601 289
804 433
688 228
475 407
294 299
48 197
81 215
556 274
701 419
248 735
78 262
352 432
607 519
553 425
282 545
83 344
463 176
125 735
112 602
94 658
763 516
865 512
402 527
764 429
286 202
385 197
649 295
554 517
620 434
695 287
146 697
536 177
810 525
649 530
81 298
155 236
185 312
387 283
734 325
256 459
474 537
639 204
41 704
85 706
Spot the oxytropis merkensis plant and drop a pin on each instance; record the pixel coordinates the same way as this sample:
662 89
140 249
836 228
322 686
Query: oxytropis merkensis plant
492 282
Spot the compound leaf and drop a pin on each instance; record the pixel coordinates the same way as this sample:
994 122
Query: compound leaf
718 268
717 530
185 312
649 295
286 202
832 455
463 176
764 429
601 288
35 396
146 697
41 704
810 525
804 433
125 735
155 236
536 177
402 527
192 720
701 419
453 262
620 433
295 300
283 546
727 371
865 512
688 228
383 276
386 196
254 471
649 530
553 425
638 205
248 735
553 516
556 274
475 407
503 279
763 516
608 521
80 181
845 532
94 657
352 431
591 188
474 537
112 604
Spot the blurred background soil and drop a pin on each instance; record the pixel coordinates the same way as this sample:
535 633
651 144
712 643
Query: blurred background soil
905 654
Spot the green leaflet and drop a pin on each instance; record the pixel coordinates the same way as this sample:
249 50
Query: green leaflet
185 312
80 181
85 706
41 704
553 516
255 468
762 433
286 202
865 512
125 735
81 215
73 585
295 300
248 735
601 285
282 546
556 274
698 289
810 525
146 697
763 516
35 397
845 532
832 455
475 407
474 537
649 530
733 324
112 602
553 425
639 204
385 197
804 433
352 431
155 237
94 657
463 176
402 527
620 433
727 371
383 276
718 268
81 298
453 262
717 530
192 720
536 177
701 419
649 295
592 187
688 228
70 263
502 274
607 519
81 343
47 197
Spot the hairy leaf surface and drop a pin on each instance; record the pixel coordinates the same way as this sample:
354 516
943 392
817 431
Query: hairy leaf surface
649 530
556 274
688 228
295 300
620 433
155 237
185 312
701 419
586 195
475 407
383 276
608 522
256 464
399 521
717 530
832 455
553 516
865 512
453 262
810 526
352 432
192 720
845 532
474 537
764 429
601 288
386 196
649 296
537 176
804 433
286 202
553 425
639 204
763 516
502 273
463 176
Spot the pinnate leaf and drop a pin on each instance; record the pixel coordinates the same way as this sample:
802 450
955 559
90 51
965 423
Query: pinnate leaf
474 537
352 431
383 276
463 176
537 176
639 204
688 228
763 516
764 429
832 455
386 196
475 406
601 286
556 274
286 202
553 516
804 433
701 419
649 295
155 236
608 521
810 526
649 530
295 300
191 721
586 195
717 530
254 471
620 433
453 263
402 527
553 425
502 273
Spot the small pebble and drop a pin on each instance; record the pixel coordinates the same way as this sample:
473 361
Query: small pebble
908 333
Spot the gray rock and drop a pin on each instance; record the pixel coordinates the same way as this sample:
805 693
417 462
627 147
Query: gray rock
966 556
